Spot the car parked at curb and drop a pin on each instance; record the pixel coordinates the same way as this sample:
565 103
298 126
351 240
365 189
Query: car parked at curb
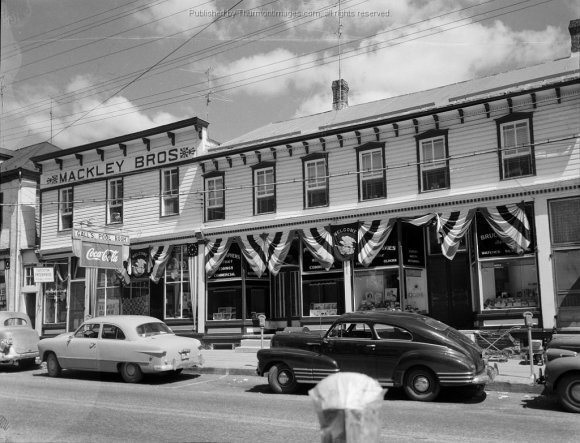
132 345
398 349
562 376
18 341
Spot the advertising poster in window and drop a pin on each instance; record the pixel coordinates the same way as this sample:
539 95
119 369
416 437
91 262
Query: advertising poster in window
310 264
413 245
231 266
416 283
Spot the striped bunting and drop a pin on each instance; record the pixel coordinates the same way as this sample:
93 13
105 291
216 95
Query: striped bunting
278 247
451 228
159 257
253 249
319 242
215 252
371 238
511 224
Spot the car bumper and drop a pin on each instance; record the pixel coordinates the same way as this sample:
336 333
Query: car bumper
486 376
175 364
12 358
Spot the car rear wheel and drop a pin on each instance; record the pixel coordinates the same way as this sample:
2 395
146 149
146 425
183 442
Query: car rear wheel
131 373
53 366
282 379
569 392
421 385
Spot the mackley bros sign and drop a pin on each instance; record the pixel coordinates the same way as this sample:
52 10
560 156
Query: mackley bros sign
105 169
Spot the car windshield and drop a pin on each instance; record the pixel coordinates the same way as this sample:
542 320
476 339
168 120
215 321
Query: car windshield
149 329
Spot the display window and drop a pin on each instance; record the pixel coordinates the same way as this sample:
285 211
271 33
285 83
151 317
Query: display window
177 287
56 293
509 283
224 300
416 299
376 288
108 292
136 298
323 295
3 301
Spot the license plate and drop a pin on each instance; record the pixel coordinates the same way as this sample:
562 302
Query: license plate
185 356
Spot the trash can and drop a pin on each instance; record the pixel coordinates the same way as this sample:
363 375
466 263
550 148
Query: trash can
348 407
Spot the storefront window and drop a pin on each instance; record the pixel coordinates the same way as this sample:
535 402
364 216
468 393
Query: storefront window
376 289
108 292
509 283
323 295
224 301
136 298
56 294
3 301
177 292
257 298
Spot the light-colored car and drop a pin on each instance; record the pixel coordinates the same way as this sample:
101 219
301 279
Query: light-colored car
18 341
131 345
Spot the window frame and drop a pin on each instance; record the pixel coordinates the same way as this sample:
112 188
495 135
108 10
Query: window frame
306 161
166 195
206 200
61 213
432 136
256 169
110 199
367 148
513 119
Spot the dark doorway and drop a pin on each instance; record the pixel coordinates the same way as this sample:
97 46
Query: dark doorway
30 300
450 290
286 304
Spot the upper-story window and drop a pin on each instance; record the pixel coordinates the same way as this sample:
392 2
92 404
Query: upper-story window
264 189
515 138
170 191
214 197
65 208
433 159
315 170
371 168
115 201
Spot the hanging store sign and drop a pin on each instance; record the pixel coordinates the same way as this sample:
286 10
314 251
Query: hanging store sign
100 237
104 256
344 241
43 275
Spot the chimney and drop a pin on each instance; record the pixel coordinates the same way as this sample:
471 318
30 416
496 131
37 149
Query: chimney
574 29
339 94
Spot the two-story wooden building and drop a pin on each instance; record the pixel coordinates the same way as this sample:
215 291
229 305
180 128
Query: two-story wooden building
460 202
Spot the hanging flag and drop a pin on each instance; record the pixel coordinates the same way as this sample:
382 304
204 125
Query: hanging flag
511 225
344 240
159 256
278 246
319 242
215 252
253 249
371 239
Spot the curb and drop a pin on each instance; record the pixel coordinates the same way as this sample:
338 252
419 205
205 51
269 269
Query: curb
523 388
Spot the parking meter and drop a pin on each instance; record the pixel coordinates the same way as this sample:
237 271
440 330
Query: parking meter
528 319
262 322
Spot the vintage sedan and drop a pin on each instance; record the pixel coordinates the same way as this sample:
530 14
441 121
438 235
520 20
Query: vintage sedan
398 349
18 341
562 376
132 345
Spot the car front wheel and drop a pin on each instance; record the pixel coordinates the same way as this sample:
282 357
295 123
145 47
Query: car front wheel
53 366
282 379
569 392
421 385
131 373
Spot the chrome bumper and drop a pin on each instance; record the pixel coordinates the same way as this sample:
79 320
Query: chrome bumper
485 376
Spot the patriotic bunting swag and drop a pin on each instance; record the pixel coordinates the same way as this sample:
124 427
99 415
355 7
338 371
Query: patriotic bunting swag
371 239
511 224
319 242
215 252
266 251
159 256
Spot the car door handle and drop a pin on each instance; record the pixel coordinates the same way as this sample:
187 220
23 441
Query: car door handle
92 345
371 346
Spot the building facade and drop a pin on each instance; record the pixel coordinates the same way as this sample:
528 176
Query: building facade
459 202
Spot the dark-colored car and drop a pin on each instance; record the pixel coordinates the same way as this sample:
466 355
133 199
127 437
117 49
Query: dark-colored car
398 349
562 376
18 341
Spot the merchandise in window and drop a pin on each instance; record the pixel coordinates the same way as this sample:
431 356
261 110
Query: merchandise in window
224 301
323 295
177 290
115 201
377 289
65 208
108 293
170 192
509 283
371 174
136 298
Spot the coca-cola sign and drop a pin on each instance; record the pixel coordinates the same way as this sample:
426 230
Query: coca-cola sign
105 256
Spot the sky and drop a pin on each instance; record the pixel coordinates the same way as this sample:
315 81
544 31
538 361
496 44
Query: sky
74 72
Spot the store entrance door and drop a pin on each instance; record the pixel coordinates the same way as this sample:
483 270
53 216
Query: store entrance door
450 290
76 313
286 304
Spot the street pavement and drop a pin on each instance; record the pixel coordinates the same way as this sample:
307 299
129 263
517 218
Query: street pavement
513 375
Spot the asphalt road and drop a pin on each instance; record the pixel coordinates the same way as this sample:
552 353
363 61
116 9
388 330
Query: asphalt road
87 407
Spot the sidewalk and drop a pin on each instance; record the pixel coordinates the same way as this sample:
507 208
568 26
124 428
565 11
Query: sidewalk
512 375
